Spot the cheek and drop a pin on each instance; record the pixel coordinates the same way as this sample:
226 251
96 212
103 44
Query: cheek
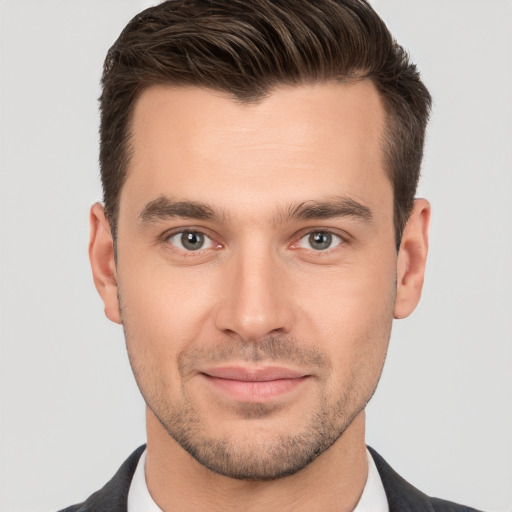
164 308
348 298
356 334
352 314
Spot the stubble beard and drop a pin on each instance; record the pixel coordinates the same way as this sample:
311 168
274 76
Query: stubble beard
251 457
254 459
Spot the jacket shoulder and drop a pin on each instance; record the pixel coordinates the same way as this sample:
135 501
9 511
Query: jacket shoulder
404 497
113 496
74 508
448 506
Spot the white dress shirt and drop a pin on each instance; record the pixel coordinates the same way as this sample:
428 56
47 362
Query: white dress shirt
373 498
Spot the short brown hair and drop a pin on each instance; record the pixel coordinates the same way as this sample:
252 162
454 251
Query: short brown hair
247 47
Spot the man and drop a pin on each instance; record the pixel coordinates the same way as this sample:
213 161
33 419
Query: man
259 234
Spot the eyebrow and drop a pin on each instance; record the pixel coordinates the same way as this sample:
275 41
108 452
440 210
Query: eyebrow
334 207
163 208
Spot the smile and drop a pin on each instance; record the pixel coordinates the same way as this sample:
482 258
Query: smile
254 385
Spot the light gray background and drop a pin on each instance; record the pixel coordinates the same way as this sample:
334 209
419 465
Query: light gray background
70 411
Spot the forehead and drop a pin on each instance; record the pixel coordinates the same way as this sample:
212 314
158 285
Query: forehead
299 141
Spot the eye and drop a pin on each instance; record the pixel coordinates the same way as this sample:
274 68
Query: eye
319 241
191 241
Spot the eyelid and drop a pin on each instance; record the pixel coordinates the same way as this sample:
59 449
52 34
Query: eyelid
343 239
213 244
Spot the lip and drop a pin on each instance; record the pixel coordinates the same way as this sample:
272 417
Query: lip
254 384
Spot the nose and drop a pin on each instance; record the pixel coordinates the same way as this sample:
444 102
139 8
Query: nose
255 299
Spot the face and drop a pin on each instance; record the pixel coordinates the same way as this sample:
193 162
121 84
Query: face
257 271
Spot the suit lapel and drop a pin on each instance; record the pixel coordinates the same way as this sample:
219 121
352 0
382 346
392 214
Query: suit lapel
113 496
402 496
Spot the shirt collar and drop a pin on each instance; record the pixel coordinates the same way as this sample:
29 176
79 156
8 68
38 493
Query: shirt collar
373 498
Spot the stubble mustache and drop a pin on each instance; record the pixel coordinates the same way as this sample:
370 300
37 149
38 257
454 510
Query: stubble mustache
282 350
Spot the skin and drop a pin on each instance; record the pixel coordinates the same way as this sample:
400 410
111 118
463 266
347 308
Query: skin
260 294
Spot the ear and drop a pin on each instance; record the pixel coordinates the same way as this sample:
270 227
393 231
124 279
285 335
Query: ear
101 255
412 258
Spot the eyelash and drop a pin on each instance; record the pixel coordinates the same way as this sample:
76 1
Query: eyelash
339 239
192 231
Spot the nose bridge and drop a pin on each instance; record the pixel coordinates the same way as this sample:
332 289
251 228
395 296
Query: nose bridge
255 303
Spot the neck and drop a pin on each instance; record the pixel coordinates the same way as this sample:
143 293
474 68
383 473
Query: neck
333 481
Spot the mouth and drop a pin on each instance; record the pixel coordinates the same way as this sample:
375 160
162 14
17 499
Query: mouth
254 384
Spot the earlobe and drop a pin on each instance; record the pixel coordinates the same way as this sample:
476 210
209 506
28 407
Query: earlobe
101 256
412 258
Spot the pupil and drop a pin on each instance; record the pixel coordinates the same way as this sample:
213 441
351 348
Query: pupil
192 241
320 240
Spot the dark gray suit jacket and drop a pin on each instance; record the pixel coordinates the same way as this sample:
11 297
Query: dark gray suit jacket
402 496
